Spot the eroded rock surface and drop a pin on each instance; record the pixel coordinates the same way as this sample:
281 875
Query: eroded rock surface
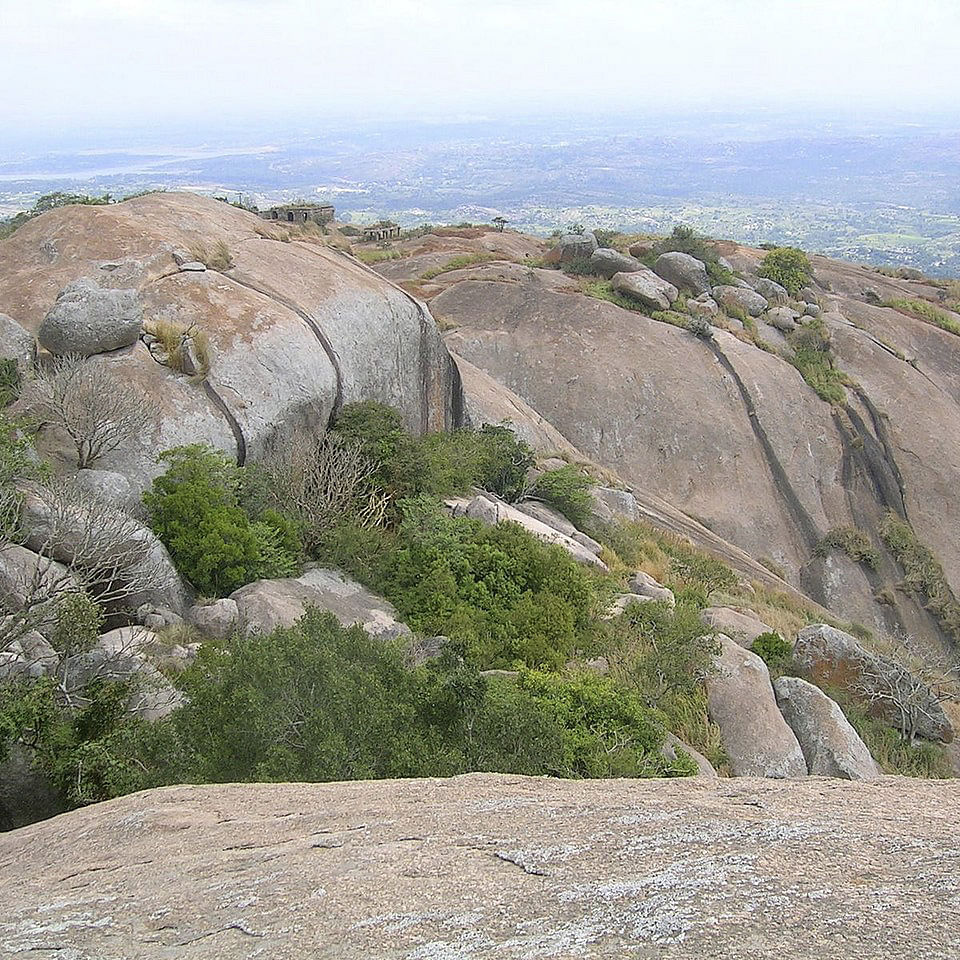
493 866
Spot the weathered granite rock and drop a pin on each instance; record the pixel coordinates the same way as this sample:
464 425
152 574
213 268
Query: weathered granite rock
743 628
111 487
741 298
832 657
644 585
646 287
89 319
216 619
16 343
830 745
669 750
268 604
493 865
772 292
571 246
606 262
704 306
741 702
782 318
683 271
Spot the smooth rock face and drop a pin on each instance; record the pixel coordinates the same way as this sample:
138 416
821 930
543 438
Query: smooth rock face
216 619
268 604
111 487
742 298
771 291
683 271
490 866
741 627
16 343
645 286
830 745
88 319
834 658
741 702
607 262
572 246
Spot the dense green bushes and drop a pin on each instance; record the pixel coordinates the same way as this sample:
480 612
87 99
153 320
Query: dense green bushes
195 508
787 266
568 490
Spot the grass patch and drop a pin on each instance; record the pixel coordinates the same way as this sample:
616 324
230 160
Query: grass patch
458 263
187 347
603 290
853 542
371 257
923 574
821 375
220 258
926 311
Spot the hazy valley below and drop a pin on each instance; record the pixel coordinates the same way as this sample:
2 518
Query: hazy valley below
878 192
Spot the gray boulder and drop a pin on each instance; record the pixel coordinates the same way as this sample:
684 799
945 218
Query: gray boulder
772 292
571 246
832 657
830 745
216 619
16 343
704 306
683 271
611 504
622 602
740 700
192 266
782 318
740 298
30 655
28 578
640 248
88 319
606 262
113 488
809 295
812 310
744 628
643 585
268 604
645 286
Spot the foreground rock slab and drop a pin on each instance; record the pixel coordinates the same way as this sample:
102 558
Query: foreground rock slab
493 866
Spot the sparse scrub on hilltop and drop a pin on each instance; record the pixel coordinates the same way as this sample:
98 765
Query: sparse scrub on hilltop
926 311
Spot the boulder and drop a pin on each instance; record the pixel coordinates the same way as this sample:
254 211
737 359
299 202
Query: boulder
16 343
111 487
607 262
640 248
704 306
30 655
487 509
683 271
89 319
611 504
548 515
571 246
25 575
830 745
782 318
812 310
645 286
809 295
622 602
740 298
267 604
215 619
772 292
669 750
833 658
743 628
26 793
643 585
740 700
192 266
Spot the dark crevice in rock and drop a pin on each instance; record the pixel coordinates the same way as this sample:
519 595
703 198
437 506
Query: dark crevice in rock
802 520
311 322
894 499
232 421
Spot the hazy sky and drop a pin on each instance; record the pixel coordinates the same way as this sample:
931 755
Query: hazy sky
91 61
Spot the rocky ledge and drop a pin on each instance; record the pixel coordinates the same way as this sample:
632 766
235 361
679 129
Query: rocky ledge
489 865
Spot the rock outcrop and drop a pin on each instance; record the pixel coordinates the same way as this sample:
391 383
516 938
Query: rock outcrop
607 262
88 319
492 866
744 628
830 745
646 288
741 702
683 271
268 604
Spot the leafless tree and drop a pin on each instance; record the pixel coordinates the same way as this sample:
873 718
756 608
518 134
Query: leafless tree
910 685
72 541
98 409
325 479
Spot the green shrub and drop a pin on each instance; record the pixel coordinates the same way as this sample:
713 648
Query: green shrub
579 267
817 369
567 489
775 652
923 572
9 381
851 541
787 266
195 510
